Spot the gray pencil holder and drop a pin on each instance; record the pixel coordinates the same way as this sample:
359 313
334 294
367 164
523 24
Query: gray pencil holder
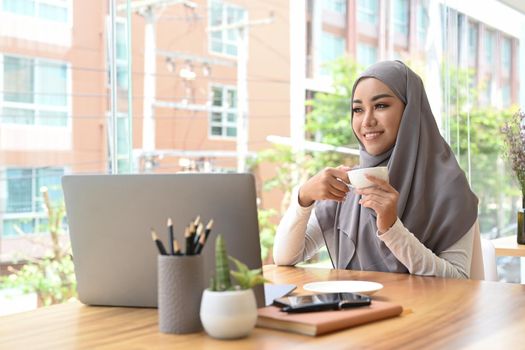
181 283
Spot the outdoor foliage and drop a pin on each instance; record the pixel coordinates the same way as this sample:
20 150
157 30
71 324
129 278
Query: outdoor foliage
490 180
52 277
473 134
328 122
514 131
328 119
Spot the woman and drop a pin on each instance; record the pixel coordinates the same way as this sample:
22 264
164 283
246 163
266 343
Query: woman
423 222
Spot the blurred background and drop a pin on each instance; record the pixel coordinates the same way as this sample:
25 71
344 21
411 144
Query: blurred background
166 86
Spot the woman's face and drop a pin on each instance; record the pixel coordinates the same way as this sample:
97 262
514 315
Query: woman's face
377 114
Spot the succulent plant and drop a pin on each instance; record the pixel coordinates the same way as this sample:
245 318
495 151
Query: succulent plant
221 282
245 277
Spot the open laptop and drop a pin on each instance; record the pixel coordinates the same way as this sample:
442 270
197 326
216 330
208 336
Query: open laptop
110 218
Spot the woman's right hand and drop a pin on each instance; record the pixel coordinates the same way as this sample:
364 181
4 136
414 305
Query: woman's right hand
329 183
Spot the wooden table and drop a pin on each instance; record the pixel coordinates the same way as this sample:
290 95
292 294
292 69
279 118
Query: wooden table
508 246
439 313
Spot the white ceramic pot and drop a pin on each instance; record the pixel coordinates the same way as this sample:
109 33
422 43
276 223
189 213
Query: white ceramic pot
230 314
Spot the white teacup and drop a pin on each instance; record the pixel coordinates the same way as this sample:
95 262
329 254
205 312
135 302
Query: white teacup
358 179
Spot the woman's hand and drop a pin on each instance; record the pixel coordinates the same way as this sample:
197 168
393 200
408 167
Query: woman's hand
382 199
329 183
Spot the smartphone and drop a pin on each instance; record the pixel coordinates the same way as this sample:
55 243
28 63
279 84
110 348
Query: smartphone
321 302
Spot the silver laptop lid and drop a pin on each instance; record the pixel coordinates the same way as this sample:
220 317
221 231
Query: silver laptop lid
110 217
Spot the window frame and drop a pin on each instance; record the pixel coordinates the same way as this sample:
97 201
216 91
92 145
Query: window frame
366 12
403 23
489 37
422 22
337 6
368 47
224 111
120 63
224 33
35 105
334 39
67 5
35 215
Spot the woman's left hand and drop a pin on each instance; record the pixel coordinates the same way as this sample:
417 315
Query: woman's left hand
381 198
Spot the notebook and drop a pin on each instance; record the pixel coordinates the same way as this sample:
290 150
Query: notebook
110 217
317 323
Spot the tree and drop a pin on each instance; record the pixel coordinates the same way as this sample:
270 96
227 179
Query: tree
328 121
477 142
52 277
491 180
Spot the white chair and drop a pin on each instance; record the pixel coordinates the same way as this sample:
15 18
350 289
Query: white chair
483 264
489 260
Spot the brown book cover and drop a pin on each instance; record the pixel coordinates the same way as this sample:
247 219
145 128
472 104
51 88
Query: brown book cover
316 323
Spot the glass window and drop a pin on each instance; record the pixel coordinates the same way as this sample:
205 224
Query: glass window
49 178
487 92
18 79
367 11
505 95
422 22
338 6
224 41
12 227
217 96
223 116
506 54
331 48
51 84
489 47
366 54
24 202
123 143
35 92
20 7
53 118
121 54
473 41
18 116
56 12
401 16
50 10
19 190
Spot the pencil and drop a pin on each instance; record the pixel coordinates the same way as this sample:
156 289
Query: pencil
170 232
208 230
204 236
200 230
189 240
200 244
175 247
197 220
196 241
158 242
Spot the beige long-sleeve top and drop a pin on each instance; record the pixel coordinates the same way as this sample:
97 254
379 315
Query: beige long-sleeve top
299 237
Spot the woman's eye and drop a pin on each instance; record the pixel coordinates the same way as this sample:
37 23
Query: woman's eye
356 110
381 106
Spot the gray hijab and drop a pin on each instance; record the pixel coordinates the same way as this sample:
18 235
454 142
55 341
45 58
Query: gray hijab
435 201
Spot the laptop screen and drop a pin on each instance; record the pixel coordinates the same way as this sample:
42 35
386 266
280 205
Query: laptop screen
110 218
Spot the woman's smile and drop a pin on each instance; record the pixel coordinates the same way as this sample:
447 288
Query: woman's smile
372 135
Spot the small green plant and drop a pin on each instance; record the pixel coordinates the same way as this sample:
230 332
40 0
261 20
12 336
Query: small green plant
51 277
221 281
244 277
